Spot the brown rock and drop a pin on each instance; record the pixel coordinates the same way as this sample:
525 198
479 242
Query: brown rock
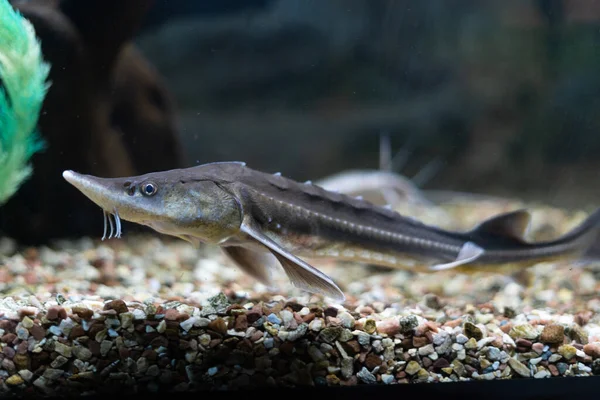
420 341
245 345
76 331
521 349
252 316
231 307
109 313
294 306
287 348
583 318
124 352
94 347
429 335
275 309
308 317
39 359
469 369
37 332
372 361
433 301
523 343
421 329
22 348
83 312
8 351
330 312
8 338
592 349
506 327
26 311
163 362
171 314
21 361
552 333
182 317
149 354
8 325
440 363
102 363
390 326
159 341
497 342
352 381
241 323
365 310
332 380
352 347
118 305
454 323
218 325
56 312
256 336
184 344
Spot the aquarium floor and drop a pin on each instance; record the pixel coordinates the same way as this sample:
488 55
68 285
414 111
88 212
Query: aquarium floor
146 313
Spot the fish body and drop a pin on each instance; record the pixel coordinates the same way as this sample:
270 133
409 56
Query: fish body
263 220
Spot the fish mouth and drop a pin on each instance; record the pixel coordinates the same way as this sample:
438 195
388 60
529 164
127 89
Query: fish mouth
93 188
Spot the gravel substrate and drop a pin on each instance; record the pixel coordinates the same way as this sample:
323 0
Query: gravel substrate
147 313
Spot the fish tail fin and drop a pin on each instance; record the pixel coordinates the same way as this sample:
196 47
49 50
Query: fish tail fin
586 235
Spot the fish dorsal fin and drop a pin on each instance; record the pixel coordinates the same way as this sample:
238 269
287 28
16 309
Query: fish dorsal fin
511 225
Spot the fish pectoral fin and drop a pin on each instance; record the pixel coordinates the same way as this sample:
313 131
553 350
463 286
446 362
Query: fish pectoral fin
301 274
255 263
305 277
511 225
468 253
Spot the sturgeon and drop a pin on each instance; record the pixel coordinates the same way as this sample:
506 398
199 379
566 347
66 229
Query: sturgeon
263 220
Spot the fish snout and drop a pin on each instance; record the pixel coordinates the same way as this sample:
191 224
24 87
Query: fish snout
94 188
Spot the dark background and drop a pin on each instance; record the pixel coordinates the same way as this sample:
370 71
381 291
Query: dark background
503 95
506 93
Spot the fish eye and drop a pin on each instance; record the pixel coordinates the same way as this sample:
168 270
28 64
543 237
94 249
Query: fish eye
149 189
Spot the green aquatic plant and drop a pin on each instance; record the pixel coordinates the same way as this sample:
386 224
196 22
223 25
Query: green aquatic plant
23 86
